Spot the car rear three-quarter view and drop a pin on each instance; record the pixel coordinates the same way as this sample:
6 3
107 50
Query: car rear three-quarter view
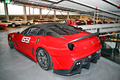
58 46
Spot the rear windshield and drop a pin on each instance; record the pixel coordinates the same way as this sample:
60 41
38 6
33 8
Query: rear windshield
62 29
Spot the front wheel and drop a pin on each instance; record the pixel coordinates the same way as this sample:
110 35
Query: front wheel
44 59
11 44
13 25
28 23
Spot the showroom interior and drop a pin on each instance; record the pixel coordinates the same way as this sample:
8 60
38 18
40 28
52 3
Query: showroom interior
98 18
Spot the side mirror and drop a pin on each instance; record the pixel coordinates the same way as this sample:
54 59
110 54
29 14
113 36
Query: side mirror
18 32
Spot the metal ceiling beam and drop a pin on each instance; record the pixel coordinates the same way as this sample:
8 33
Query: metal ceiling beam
92 7
60 8
47 6
73 1
112 3
53 1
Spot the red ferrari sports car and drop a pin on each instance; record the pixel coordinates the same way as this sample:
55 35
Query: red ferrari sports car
58 46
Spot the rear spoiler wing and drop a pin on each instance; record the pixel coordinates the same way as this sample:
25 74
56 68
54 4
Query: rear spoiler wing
94 34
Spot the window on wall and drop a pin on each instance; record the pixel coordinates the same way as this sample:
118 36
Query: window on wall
59 12
2 12
36 11
46 11
27 10
15 9
31 11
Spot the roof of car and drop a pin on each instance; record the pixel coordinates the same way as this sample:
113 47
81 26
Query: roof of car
45 25
48 27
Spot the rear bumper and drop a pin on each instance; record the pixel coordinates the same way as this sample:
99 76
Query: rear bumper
79 64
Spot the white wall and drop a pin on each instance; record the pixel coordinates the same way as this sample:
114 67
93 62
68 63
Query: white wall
2 12
15 9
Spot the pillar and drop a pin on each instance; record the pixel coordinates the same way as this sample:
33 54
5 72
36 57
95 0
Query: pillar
40 13
67 15
25 16
54 15
6 11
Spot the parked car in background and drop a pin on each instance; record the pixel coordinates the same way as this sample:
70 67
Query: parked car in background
111 22
99 22
105 22
76 22
24 22
89 22
3 26
37 21
10 23
80 22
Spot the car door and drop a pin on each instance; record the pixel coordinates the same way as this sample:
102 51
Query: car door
27 40
23 22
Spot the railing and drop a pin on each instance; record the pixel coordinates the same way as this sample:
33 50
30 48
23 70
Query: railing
102 27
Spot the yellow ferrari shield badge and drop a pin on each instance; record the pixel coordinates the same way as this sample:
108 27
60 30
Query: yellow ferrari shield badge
12 36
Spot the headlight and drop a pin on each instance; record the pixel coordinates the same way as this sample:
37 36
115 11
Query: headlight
90 56
70 46
99 51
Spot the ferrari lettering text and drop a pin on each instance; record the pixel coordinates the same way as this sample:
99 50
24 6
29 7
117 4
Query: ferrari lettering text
26 39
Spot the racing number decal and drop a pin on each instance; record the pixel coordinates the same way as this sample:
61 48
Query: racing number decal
26 39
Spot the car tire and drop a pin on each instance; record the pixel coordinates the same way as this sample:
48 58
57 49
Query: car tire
0 27
11 44
13 25
28 23
44 59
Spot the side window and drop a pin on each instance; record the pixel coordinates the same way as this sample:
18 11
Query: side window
41 32
33 31
25 31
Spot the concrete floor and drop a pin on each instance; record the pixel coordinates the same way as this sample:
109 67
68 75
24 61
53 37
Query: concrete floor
15 66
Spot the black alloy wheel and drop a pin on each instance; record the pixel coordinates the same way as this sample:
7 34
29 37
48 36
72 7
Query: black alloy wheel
44 59
11 44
